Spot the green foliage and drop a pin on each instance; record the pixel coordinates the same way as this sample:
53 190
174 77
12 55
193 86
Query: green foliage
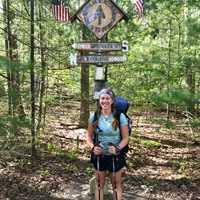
2 88
169 124
151 144
181 165
195 123
9 124
55 149
163 58
16 66
71 154
178 97
44 173
4 125
50 100
88 171
51 147
159 55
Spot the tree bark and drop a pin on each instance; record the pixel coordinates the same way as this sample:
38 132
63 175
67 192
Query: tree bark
32 77
190 80
168 69
18 109
6 5
15 107
84 107
43 72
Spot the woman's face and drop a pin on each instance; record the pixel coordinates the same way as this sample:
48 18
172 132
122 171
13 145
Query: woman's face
105 101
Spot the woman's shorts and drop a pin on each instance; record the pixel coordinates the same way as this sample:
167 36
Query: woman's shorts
106 162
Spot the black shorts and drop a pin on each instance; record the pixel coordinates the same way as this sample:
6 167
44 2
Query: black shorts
106 162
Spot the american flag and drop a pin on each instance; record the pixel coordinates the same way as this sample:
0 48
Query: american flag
60 11
139 7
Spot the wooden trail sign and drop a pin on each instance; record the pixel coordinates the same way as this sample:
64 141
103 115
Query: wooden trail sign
101 47
97 59
100 16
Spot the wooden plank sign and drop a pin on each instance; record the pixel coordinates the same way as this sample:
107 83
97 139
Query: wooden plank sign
100 47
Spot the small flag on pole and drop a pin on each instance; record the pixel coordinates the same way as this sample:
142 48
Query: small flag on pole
139 7
60 11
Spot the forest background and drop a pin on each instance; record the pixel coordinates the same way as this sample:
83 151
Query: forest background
161 78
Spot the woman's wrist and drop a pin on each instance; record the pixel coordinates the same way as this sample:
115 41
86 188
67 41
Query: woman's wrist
118 147
91 146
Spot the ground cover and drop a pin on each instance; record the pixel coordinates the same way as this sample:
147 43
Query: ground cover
163 162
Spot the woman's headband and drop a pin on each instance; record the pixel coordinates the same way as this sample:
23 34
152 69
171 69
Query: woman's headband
106 91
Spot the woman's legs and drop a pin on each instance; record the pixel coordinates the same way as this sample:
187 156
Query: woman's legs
116 180
100 178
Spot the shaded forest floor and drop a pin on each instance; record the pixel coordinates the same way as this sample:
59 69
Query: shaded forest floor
163 161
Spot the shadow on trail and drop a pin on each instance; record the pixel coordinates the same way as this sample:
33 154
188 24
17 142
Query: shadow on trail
48 177
56 177
14 190
157 188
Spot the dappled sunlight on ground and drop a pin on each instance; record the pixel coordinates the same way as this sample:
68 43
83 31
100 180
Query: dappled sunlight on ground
163 163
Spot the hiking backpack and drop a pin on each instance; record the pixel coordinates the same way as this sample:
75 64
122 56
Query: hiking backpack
121 106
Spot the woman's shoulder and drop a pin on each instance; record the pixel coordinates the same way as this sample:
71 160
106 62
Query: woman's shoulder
92 116
123 119
122 115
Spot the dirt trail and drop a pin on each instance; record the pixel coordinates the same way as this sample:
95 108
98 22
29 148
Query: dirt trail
163 164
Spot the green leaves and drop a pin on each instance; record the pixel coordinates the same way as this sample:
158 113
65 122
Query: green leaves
5 63
178 97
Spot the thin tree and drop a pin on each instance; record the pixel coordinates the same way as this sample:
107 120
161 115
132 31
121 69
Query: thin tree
15 107
7 33
32 76
43 55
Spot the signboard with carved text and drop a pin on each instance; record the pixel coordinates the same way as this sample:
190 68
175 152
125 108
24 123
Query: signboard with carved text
97 59
101 46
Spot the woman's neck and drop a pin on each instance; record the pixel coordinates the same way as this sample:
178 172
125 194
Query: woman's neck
106 112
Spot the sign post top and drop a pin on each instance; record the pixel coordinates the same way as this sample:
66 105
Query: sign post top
100 16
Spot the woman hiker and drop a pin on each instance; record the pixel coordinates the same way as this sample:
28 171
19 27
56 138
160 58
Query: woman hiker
106 140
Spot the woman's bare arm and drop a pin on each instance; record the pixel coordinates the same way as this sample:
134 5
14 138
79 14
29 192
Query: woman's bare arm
125 136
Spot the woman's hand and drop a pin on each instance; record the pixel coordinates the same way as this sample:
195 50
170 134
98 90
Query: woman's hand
97 150
113 149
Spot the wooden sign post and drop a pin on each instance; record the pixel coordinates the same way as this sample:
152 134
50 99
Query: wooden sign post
100 17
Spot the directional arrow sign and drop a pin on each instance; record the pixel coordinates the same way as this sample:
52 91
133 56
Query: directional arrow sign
99 59
99 47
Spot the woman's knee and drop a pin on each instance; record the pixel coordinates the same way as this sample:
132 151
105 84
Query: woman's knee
100 176
102 183
116 178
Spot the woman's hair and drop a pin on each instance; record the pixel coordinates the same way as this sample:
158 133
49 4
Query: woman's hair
108 91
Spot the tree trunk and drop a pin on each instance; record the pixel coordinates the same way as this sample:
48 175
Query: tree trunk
6 5
32 77
43 72
18 109
15 107
84 107
168 69
190 79
84 110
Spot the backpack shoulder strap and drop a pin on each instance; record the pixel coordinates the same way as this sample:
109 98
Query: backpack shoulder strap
95 117
117 117
95 126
